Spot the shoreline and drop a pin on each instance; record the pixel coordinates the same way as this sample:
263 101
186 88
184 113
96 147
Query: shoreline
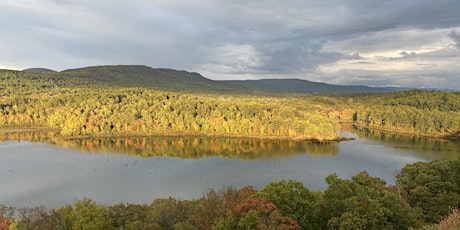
300 139
126 135
26 129
400 132
453 136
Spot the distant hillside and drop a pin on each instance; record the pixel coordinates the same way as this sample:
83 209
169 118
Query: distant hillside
144 76
304 86
175 80
39 70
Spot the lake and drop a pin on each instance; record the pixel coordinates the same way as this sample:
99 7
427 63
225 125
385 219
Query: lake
38 168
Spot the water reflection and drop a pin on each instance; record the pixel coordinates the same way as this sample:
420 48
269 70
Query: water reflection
184 147
48 137
409 143
40 168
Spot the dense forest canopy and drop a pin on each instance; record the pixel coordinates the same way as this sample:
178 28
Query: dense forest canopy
102 101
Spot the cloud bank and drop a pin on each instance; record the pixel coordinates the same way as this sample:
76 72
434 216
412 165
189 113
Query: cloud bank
413 43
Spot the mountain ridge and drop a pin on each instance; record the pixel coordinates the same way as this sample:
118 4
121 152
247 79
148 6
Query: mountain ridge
39 70
296 85
145 76
171 79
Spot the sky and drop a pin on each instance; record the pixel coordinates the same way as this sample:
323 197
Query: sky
410 43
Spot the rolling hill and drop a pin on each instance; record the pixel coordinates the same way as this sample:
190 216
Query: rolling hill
176 80
39 70
144 76
304 86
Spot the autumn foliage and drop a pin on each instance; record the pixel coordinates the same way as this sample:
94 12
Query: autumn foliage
266 213
4 223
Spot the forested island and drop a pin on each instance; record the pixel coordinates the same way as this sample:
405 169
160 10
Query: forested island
82 105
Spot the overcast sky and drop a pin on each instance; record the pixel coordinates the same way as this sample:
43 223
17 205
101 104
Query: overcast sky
414 43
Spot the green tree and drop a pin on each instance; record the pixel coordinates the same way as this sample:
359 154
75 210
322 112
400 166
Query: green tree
365 202
294 200
132 217
431 187
166 213
90 215
84 214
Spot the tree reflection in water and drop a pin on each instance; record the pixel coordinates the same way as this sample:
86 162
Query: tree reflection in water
183 147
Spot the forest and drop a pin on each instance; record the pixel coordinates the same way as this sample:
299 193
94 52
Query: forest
85 107
82 106
426 196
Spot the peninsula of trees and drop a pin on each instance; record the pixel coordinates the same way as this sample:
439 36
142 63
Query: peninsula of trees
139 100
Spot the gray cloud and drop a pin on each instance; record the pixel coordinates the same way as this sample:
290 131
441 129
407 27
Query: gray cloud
456 38
363 62
315 40
408 54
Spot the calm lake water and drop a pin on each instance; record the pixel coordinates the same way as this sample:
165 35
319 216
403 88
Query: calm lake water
40 169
